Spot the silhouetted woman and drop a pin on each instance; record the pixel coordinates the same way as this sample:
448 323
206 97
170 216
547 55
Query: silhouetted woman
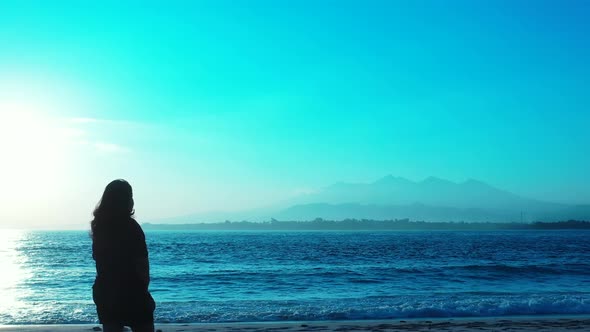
120 290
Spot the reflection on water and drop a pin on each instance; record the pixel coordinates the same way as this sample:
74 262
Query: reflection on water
13 271
45 276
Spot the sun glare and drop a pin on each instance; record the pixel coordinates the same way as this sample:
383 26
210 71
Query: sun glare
33 150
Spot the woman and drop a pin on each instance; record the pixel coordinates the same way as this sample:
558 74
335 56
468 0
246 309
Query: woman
120 290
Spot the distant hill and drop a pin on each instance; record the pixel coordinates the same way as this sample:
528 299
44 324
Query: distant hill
432 191
433 199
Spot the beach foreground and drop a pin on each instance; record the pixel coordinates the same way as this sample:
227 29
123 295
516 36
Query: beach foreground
523 324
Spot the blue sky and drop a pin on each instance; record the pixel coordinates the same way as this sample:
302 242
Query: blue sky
209 105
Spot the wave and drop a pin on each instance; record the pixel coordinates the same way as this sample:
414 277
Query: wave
516 269
375 274
379 308
324 309
548 269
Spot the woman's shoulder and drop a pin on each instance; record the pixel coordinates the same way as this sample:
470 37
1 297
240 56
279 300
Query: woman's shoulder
136 228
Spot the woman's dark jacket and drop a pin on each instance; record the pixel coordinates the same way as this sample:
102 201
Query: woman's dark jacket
120 292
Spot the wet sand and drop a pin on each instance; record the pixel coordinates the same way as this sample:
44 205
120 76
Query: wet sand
500 324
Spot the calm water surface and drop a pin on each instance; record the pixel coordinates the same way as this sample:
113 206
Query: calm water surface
46 277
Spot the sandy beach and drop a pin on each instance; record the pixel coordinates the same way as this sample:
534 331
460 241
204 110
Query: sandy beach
523 324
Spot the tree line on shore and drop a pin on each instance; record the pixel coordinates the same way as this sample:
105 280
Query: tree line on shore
320 224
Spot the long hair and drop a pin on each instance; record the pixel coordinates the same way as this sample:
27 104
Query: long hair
115 206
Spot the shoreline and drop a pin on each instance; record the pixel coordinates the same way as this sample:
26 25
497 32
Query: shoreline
555 323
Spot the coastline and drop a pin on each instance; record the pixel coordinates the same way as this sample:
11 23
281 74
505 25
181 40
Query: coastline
471 324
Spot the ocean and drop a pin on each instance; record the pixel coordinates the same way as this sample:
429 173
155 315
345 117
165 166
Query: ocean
207 276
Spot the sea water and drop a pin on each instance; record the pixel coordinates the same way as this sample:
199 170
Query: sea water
46 277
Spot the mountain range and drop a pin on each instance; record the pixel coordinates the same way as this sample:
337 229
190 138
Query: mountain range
390 197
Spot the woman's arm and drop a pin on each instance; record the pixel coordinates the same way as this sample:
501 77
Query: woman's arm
142 263
143 269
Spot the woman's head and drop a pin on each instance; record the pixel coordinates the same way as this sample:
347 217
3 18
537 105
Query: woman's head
116 204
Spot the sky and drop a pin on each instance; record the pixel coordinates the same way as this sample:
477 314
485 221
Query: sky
229 105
